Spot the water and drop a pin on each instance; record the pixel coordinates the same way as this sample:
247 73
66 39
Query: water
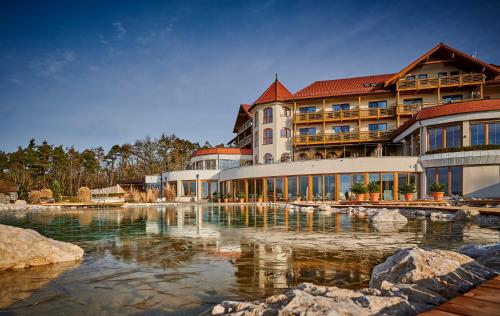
183 260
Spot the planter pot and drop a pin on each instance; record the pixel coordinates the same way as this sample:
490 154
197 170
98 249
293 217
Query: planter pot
259 200
218 200
438 196
409 196
242 200
360 197
374 196
226 200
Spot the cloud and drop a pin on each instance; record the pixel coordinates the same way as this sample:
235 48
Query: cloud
14 81
120 30
52 63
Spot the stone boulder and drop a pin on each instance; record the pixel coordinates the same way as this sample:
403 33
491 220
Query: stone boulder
445 273
488 255
466 215
22 248
20 203
385 215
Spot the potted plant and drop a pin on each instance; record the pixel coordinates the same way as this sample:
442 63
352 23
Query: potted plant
227 197
437 190
408 189
360 190
216 197
259 198
241 197
374 191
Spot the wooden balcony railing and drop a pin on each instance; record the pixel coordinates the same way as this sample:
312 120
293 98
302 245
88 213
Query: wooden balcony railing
245 125
410 109
343 115
245 141
342 138
441 82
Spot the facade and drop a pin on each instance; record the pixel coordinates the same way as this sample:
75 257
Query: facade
436 120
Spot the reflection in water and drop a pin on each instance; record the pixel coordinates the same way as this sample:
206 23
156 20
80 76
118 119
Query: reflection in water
184 259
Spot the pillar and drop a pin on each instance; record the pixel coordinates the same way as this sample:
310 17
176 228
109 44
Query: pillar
466 134
179 188
423 140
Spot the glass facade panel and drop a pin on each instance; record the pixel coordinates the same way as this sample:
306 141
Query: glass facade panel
303 187
388 186
477 134
374 177
213 187
443 177
494 133
211 164
453 136
358 178
292 188
345 187
402 179
227 163
456 180
435 138
251 190
205 193
329 187
430 175
317 187
270 189
258 187
185 188
279 189
192 188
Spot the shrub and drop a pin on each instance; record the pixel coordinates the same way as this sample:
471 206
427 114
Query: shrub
35 196
407 188
359 188
241 195
84 194
169 193
227 196
436 187
373 187
56 189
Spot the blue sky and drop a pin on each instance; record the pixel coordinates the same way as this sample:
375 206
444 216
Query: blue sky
98 73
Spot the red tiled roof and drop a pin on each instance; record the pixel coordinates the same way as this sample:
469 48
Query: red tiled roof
242 116
222 151
451 109
275 92
346 86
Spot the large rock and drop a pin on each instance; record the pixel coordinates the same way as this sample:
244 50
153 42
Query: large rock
445 273
488 255
466 215
22 248
385 215
309 299
20 203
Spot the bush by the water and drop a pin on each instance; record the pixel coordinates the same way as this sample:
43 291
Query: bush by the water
84 194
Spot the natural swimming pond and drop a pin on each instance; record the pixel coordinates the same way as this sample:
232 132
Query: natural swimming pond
184 259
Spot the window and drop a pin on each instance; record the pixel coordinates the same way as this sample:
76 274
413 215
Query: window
307 109
268 136
317 188
442 74
285 132
377 127
329 183
228 163
452 98
268 115
422 76
256 140
410 77
268 158
413 101
477 134
494 133
307 131
377 104
286 112
435 138
340 107
211 164
453 136
341 129
451 177
292 188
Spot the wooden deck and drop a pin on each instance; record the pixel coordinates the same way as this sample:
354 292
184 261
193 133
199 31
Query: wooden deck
483 300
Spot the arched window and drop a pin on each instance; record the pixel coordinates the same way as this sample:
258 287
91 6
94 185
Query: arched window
268 158
268 115
318 156
303 156
331 155
256 140
285 132
285 157
256 118
268 136
285 111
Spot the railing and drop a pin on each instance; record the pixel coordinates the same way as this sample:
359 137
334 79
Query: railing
341 138
245 125
410 109
446 81
247 140
343 115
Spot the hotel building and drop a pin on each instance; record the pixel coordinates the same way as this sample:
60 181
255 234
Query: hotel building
436 120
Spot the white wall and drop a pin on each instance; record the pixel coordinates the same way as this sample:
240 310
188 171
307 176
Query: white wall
482 181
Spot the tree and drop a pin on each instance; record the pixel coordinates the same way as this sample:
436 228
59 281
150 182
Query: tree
56 190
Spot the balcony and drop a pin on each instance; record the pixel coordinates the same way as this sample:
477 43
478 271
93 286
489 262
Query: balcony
410 109
244 126
344 115
245 141
442 82
342 138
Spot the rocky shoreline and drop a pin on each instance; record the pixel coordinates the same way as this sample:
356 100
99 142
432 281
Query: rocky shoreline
410 281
